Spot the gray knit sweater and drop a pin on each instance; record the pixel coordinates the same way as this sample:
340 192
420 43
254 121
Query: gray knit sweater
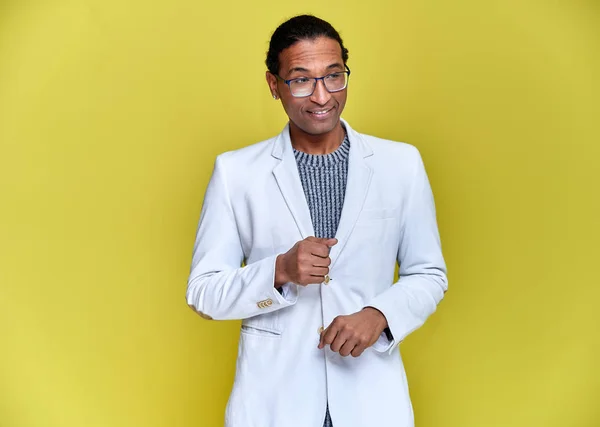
324 182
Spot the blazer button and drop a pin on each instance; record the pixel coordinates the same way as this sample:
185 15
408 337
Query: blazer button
265 303
320 330
327 279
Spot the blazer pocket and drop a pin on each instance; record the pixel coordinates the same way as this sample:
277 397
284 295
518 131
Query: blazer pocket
370 215
266 325
260 331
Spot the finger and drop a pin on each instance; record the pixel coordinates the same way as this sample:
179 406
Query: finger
358 350
313 247
328 335
308 278
331 242
319 271
348 347
338 342
321 262
313 275
318 249
315 280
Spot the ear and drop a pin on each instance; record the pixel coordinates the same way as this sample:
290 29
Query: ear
272 82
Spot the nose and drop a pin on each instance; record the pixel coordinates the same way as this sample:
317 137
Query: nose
321 95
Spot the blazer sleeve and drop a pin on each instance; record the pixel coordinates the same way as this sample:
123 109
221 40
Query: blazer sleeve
422 279
218 286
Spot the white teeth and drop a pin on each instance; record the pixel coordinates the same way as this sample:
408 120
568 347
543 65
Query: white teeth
320 112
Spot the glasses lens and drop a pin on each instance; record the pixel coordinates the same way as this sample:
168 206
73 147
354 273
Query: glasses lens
336 81
302 87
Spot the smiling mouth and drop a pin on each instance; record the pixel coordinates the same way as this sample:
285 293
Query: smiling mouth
321 112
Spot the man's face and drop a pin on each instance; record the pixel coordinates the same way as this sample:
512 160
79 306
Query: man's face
319 113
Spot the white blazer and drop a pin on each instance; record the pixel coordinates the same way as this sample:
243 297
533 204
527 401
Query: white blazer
255 209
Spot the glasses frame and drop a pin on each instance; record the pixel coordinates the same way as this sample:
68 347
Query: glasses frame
316 80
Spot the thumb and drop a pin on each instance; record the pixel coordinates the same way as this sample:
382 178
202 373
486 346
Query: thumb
322 240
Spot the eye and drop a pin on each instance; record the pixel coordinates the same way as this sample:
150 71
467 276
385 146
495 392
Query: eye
334 76
301 80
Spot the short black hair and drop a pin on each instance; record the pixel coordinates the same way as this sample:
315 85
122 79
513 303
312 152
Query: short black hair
302 27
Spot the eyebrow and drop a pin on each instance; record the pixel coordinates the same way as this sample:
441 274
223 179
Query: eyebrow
304 70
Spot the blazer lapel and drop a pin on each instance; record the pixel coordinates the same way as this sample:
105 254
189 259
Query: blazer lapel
288 179
359 178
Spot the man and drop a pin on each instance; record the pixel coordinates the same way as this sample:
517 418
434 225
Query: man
299 236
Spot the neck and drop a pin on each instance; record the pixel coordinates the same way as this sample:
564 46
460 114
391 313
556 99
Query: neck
317 144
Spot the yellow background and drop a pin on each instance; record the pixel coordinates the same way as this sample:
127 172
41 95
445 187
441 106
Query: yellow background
111 114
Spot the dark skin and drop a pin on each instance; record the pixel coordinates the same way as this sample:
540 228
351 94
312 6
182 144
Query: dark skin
311 132
315 128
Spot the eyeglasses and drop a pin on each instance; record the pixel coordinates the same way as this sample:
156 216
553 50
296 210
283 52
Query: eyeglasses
305 86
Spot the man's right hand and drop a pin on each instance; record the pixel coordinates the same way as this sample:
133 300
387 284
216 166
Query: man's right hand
306 263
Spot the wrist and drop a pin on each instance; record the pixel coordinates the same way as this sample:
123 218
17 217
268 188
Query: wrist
280 276
381 317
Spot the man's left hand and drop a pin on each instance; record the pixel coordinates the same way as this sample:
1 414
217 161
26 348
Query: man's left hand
352 334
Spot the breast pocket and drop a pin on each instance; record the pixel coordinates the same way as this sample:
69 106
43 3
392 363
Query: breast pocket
373 244
376 225
373 215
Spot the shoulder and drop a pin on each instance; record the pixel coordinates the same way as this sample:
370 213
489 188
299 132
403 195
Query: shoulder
390 152
248 155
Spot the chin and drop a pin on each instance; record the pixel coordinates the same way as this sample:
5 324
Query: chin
319 128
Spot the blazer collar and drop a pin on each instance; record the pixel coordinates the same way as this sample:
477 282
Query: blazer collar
283 142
